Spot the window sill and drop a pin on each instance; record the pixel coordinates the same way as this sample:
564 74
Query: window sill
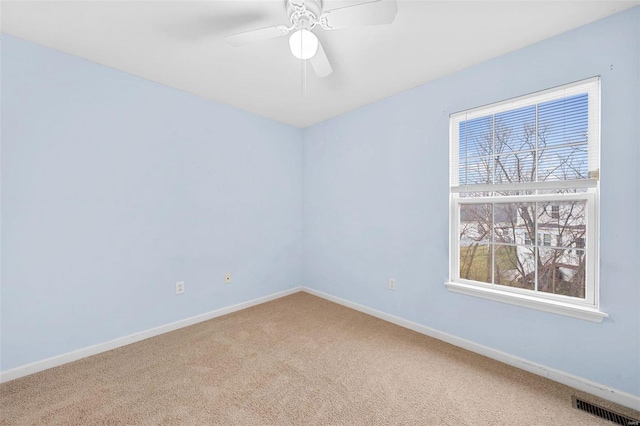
553 306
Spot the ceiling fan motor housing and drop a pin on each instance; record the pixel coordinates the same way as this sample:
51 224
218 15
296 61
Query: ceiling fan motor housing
304 14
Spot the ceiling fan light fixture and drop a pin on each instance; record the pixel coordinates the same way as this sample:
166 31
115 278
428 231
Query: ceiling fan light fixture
303 44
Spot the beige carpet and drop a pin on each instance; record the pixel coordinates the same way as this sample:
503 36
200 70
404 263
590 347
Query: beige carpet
297 360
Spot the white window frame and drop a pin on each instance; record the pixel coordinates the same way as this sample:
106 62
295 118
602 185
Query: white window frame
587 308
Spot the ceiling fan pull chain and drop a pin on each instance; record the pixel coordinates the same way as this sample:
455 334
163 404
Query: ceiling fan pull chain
303 71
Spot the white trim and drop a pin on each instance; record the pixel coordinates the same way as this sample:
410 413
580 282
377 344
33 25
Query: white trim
579 383
34 367
547 305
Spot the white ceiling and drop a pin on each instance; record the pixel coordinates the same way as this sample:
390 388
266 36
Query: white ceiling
180 44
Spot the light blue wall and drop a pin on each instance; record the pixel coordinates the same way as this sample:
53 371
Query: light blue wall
376 205
114 188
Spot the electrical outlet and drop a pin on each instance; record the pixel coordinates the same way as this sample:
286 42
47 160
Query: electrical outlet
180 287
227 278
392 284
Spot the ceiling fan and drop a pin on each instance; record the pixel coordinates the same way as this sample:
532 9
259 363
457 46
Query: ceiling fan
305 15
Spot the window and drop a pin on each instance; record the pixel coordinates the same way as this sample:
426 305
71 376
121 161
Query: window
521 168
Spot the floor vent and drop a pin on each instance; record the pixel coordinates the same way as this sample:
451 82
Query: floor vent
604 413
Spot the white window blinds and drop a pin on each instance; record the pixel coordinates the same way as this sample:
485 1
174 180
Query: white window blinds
546 140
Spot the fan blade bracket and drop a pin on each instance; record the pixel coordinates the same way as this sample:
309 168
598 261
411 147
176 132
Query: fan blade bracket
297 4
324 22
284 30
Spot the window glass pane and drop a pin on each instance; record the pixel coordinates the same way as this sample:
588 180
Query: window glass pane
514 223
475 262
564 222
475 223
476 141
564 163
563 121
562 272
514 266
515 130
476 170
515 168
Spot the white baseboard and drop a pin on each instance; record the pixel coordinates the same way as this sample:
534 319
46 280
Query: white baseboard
55 361
602 391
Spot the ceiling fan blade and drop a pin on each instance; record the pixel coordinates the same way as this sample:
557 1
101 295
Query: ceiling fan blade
320 63
255 36
378 12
